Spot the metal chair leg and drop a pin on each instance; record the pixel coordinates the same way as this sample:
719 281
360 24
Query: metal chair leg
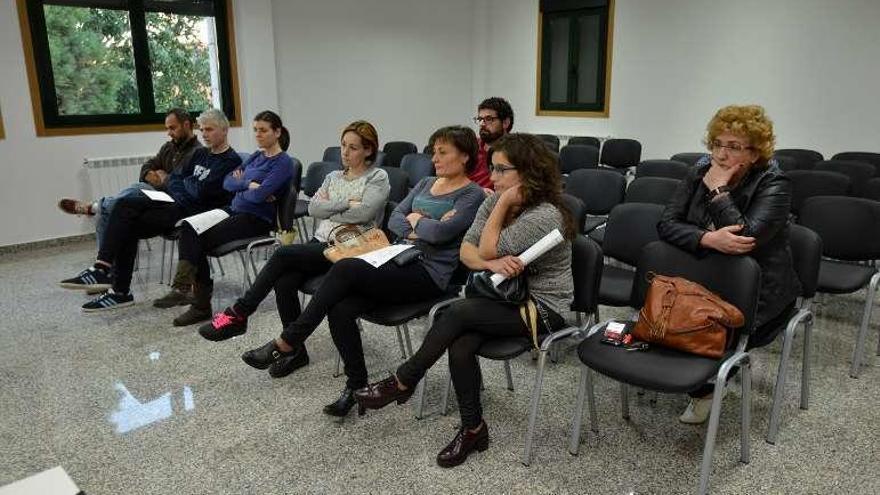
863 328
805 367
400 344
444 406
533 408
220 264
406 338
508 374
162 263
744 453
779 389
624 400
574 440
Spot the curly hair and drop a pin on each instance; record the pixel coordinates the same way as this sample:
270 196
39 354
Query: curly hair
367 133
540 180
464 140
749 121
501 107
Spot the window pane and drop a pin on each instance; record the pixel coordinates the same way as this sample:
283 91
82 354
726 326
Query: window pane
92 60
588 59
559 29
183 55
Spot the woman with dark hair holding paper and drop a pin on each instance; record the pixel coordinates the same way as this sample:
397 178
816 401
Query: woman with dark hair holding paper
353 286
526 206
257 184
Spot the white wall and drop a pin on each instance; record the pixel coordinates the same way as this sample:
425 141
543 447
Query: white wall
36 172
811 63
404 65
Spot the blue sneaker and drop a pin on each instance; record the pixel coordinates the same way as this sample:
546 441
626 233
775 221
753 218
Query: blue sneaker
108 300
91 279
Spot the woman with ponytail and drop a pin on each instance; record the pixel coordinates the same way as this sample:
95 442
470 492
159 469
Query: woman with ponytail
261 180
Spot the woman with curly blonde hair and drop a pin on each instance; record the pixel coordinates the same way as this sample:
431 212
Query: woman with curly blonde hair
737 201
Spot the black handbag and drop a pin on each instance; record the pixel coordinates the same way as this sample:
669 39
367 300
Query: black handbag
512 290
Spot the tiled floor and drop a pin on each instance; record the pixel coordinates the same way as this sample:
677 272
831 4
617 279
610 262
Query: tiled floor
127 403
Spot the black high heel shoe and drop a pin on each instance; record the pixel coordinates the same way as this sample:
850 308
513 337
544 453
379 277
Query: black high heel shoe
343 405
263 357
380 394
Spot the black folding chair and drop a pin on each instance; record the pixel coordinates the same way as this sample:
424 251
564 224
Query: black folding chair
621 154
805 158
736 279
574 156
656 190
806 184
670 169
417 166
859 173
851 239
599 190
551 140
690 158
395 151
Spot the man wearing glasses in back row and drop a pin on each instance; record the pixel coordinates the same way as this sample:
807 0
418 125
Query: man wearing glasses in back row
495 119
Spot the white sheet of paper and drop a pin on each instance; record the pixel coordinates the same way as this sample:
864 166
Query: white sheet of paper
158 196
54 481
204 221
379 257
545 244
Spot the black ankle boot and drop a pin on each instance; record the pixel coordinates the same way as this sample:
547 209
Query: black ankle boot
343 404
262 357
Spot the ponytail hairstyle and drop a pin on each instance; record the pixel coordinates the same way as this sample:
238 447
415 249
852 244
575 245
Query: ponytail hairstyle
540 180
369 137
274 122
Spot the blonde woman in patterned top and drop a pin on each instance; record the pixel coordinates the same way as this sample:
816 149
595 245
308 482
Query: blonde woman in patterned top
354 195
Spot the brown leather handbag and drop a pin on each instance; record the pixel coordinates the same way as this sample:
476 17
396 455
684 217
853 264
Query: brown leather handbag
684 315
350 240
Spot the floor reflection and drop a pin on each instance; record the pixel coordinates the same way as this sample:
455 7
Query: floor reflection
132 414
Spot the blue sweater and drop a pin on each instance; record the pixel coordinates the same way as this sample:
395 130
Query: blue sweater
272 173
197 186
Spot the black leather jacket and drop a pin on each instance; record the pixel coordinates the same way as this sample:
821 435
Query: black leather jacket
761 203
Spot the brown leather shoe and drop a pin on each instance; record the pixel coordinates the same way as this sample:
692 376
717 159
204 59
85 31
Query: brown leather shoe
380 394
462 445
75 207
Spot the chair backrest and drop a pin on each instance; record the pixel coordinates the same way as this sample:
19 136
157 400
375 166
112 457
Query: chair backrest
809 183
285 205
630 227
621 153
332 154
428 150
386 216
395 151
577 210
399 183
315 175
417 166
858 172
736 279
586 141
788 163
671 169
552 141
847 226
657 190
806 254
872 189
576 156
600 190
806 158
861 156
690 157
586 271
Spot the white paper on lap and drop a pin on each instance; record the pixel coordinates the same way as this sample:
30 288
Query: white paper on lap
379 257
204 221
158 196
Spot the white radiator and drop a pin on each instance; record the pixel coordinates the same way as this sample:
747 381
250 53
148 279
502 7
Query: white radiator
108 175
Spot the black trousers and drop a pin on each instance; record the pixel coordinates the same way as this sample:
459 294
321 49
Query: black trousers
285 272
133 218
351 288
193 247
462 328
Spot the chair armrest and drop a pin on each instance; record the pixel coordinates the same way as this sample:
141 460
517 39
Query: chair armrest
440 305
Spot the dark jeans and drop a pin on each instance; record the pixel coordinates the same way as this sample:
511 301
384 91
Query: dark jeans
762 336
351 288
462 328
193 247
286 271
133 218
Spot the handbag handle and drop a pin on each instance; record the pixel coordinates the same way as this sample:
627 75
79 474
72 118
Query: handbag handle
341 229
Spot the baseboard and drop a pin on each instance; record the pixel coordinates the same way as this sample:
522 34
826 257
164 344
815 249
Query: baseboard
47 243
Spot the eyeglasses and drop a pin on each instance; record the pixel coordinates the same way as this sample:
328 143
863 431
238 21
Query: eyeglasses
732 147
485 120
500 169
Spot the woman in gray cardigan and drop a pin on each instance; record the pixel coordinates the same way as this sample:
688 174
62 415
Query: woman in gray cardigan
354 195
527 205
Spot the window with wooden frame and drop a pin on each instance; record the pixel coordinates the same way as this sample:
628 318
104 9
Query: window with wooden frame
103 66
574 57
